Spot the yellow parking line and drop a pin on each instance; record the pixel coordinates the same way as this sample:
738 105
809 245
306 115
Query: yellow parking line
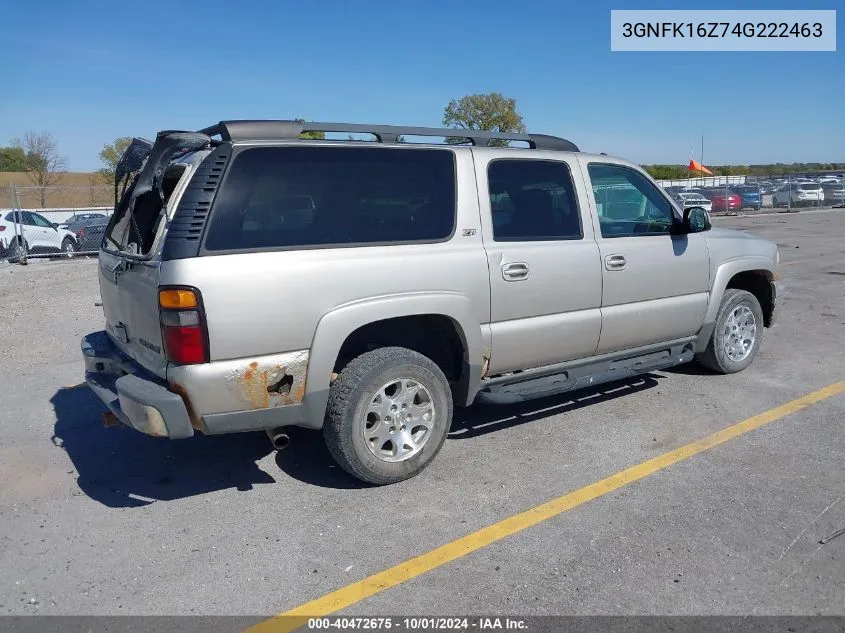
351 594
82 384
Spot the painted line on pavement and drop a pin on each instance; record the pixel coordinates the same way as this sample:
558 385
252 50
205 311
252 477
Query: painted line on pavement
356 592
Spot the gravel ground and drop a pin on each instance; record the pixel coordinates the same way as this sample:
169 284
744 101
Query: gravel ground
47 307
107 521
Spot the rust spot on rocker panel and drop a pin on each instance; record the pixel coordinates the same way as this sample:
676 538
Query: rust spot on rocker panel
261 386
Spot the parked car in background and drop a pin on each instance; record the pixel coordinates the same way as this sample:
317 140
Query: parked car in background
36 233
798 194
688 199
80 218
750 196
723 200
834 191
89 235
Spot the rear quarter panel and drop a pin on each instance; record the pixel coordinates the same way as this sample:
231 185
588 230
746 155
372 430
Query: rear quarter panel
264 304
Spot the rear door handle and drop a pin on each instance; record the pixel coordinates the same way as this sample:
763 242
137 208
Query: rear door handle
515 272
615 262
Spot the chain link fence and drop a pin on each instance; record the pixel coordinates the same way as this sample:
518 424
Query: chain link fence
45 222
747 194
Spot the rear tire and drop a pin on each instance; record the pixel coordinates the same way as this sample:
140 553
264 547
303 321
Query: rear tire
388 414
736 339
16 250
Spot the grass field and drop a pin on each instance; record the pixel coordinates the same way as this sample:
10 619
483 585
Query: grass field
71 190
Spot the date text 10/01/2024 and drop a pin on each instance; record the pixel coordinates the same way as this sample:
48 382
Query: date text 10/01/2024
418 624
721 29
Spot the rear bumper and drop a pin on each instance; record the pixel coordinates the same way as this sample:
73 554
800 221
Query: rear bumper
136 397
147 403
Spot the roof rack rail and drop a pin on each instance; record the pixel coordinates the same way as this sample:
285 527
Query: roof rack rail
291 130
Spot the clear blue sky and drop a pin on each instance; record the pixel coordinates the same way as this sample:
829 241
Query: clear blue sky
89 72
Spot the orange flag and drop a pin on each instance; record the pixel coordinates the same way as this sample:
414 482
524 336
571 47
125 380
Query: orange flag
694 165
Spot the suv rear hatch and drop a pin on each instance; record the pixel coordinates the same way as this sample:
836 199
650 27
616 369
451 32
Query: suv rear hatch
152 176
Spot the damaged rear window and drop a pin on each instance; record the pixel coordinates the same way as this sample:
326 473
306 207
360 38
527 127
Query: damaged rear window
134 230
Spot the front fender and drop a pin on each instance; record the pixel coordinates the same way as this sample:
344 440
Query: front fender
723 275
335 326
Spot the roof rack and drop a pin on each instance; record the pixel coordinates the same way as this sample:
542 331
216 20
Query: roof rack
291 130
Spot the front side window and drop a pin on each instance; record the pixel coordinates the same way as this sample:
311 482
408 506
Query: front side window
287 197
41 221
627 203
532 200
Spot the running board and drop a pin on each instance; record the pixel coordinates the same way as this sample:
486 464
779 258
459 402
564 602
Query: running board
519 388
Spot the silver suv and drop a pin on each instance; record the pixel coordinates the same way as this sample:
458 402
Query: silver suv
253 279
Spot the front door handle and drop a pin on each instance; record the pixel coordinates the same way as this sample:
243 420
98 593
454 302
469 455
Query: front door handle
515 272
615 262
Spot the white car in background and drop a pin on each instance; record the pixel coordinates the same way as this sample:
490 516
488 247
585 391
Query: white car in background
35 231
687 199
798 193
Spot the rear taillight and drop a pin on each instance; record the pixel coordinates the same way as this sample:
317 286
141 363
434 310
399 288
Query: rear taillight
183 328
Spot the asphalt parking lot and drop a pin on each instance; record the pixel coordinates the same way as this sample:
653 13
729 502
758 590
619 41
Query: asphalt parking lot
107 521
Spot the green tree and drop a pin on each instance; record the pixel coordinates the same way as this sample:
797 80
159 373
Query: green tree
110 155
313 136
12 158
491 112
668 172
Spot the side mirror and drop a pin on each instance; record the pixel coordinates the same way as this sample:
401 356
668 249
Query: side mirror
55 226
696 220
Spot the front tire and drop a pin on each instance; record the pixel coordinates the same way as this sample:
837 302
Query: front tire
736 339
388 414
68 247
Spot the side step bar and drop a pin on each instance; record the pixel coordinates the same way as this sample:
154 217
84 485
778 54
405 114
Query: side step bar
523 386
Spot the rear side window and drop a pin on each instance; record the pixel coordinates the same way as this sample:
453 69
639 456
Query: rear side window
532 200
285 197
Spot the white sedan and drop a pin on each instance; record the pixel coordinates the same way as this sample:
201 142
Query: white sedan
36 232
686 200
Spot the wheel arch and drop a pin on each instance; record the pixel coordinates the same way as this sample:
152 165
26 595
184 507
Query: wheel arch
753 274
337 328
